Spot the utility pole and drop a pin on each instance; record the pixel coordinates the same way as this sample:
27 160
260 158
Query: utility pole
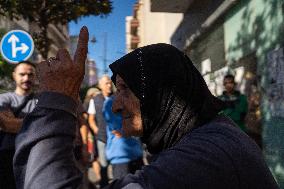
105 54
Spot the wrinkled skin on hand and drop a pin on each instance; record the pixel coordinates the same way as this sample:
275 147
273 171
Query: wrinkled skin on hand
4 116
62 74
8 122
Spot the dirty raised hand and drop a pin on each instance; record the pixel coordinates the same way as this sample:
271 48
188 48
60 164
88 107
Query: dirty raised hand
62 74
8 122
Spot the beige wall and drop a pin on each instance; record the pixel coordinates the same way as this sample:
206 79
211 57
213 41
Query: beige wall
128 35
156 27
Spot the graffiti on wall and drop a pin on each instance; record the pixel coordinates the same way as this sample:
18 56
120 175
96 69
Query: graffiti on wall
275 90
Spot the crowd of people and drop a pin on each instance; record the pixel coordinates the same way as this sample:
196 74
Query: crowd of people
109 146
160 100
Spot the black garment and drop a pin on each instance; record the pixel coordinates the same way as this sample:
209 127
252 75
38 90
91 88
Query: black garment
174 97
122 169
20 106
7 179
100 121
180 119
44 155
217 155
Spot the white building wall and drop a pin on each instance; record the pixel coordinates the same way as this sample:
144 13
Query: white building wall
156 27
128 34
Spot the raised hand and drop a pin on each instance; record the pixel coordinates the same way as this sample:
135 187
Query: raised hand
62 74
8 122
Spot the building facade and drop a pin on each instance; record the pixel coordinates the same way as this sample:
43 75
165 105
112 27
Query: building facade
145 27
244 38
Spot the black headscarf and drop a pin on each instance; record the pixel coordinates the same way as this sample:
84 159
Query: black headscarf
174 97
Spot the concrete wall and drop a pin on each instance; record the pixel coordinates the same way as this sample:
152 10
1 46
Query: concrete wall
193 18
210 46
257 26
155 27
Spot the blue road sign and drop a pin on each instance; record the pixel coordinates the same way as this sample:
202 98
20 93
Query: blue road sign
16 46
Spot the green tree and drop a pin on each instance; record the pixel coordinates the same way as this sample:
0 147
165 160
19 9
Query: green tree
45 12
6 70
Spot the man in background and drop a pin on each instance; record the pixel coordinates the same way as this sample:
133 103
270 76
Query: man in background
14 106
98 124
236 103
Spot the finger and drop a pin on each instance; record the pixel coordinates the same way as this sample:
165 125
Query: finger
55 66
42 68
51 63
82 48
42 71
64 56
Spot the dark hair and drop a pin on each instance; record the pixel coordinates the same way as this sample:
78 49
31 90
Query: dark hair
229 76
25 62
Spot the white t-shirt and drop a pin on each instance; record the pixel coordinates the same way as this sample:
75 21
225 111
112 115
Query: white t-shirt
92 108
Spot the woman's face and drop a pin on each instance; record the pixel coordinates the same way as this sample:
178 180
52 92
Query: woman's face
126 103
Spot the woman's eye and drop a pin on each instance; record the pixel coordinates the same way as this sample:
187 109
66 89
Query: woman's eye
125 86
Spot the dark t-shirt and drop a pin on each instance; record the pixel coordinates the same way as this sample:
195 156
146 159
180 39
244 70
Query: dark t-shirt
12 101
100 121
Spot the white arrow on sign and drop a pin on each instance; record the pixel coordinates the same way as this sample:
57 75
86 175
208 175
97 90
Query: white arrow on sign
13 40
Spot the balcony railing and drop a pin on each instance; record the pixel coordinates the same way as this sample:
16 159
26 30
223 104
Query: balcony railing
134 23
135 39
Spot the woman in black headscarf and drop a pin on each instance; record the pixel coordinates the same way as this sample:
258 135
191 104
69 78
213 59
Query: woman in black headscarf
164 99
173 95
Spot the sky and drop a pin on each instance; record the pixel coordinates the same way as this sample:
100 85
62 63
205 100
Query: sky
112 26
